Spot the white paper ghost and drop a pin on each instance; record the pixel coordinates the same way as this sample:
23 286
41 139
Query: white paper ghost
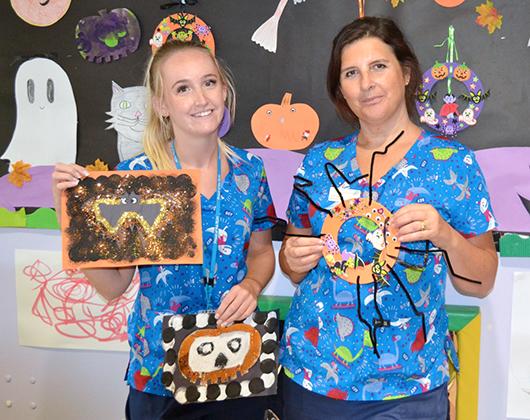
46 128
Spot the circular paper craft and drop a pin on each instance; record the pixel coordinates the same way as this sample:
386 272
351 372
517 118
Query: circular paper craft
450 122
370 221
39 13
183 26
286 126
449 3
109 36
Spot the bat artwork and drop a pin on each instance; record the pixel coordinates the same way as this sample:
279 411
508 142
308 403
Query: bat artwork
132 217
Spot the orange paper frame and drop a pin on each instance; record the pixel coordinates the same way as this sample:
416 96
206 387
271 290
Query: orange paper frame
128 218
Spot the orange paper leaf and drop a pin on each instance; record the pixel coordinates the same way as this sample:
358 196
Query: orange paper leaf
488 16
18 174
396 2
99 165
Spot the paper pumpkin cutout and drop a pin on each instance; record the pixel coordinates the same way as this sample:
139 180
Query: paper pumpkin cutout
39 13
128 218
46 127
370 221
183 26
109 36
286 126
449 3
206 362
449 122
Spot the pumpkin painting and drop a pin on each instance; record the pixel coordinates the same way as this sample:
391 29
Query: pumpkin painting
285 126
109 36
439 71
462 73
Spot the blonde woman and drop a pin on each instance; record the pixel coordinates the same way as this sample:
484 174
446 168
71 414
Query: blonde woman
188 92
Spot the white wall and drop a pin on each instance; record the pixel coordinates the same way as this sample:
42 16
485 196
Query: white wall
88 385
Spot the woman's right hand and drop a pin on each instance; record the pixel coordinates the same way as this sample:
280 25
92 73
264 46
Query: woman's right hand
65 176
300 254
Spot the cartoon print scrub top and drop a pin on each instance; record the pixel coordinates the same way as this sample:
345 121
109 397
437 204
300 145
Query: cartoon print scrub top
168 289
387 337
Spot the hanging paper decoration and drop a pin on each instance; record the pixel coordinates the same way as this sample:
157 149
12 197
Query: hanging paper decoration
371 221
18 174
109 36
286 126
488 16
39 13
183 26
395 3
205 362
449 3
46 126
122 218
450 121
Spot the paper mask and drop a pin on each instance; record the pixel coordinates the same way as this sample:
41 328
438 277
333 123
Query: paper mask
206 362
127 218
109 36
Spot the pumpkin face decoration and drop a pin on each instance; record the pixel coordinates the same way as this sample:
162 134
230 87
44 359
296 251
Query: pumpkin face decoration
439 71
109 36
286 126
462 73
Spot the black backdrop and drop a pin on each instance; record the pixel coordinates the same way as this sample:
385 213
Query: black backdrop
501 60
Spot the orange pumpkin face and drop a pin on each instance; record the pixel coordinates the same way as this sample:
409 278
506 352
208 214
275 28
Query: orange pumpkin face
439 71
462 73
286 126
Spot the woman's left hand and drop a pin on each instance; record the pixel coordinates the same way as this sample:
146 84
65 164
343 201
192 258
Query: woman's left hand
239 302
422 222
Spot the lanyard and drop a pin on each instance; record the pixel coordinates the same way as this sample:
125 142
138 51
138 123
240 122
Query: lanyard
209 279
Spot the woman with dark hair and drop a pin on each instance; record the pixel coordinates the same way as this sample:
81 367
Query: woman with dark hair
376 219
188 92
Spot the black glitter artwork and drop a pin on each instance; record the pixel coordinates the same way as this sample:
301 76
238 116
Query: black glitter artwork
126 218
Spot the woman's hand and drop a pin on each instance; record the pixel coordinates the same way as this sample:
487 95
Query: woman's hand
300 254
239 302
473 258
65 176
422 222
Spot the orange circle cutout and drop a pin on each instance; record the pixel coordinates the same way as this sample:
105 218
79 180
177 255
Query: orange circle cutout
371 221
449 3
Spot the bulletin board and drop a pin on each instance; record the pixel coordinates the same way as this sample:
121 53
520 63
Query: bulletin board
305 33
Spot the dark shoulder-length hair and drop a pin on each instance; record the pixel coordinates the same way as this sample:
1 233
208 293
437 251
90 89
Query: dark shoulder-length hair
388 32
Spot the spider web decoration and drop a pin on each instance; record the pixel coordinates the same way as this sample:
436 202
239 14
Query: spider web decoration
205 362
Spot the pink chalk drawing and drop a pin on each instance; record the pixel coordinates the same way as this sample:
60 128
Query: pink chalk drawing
68 302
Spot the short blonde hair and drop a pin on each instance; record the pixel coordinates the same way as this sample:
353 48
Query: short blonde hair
159 131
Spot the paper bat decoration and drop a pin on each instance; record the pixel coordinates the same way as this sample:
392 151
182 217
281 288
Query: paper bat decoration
425 96
475 97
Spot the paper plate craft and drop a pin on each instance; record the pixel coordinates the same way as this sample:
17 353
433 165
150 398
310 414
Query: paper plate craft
449 121
449 3
285 126
371 221
124 218
109 36
46 127
183 26
40 13
205 362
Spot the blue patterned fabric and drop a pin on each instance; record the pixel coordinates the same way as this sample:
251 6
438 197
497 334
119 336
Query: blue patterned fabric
334 329
171 289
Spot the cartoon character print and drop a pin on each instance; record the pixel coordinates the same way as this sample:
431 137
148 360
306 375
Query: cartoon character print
169 289
324 333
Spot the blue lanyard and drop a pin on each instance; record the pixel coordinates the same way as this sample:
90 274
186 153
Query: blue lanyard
209 278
